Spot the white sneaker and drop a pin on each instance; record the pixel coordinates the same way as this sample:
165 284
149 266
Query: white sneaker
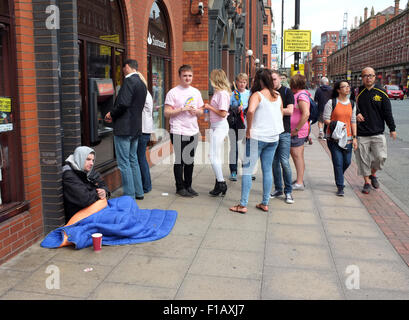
298 187
289 198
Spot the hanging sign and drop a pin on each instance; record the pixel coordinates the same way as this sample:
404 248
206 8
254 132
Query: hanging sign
6 123
297 40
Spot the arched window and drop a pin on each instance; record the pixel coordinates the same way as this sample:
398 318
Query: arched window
159 65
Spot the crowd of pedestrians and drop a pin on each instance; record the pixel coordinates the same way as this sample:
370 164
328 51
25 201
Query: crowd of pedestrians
268 118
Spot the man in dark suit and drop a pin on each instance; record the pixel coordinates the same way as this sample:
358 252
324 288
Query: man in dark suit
126 116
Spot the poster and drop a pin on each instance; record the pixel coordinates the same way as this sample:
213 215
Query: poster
6 123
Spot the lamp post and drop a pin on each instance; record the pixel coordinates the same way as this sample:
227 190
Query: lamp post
249 54
297 26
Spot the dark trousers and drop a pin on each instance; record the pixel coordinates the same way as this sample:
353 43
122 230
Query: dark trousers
235 135
341 159
143 163
184 148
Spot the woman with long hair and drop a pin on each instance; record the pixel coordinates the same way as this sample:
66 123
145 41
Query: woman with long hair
219 127
299 127
264 125
340 112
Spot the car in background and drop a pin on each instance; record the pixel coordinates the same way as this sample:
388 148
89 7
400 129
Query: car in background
394 92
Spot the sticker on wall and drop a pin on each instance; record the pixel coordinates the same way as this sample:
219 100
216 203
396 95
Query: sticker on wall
6 123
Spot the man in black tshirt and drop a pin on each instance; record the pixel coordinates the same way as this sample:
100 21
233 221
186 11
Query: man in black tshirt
373 110
282 154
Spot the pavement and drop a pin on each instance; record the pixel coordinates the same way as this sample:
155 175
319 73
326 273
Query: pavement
320 247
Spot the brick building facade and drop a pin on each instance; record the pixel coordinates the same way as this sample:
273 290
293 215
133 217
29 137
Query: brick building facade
385 47
55 58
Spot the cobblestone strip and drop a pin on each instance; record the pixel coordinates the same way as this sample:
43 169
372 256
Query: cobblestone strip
390 218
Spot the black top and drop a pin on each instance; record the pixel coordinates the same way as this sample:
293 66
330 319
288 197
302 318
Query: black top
322 95
375 107
127 111
288 98
80 191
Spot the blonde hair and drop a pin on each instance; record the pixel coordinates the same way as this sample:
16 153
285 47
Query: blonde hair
219 81
242 76
142 78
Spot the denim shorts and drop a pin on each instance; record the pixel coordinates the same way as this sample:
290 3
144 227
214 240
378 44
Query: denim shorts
297 142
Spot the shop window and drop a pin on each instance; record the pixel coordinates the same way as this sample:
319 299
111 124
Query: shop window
11 182
102 48
159 61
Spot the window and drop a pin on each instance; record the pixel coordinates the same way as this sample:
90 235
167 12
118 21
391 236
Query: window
102 49
11 183
265 39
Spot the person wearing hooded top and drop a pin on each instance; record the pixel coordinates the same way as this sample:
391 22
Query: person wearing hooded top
82 185
321 97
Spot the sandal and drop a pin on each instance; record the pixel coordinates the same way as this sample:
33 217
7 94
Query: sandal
262 207
239 208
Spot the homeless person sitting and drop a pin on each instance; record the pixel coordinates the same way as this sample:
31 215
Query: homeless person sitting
88 211
82 185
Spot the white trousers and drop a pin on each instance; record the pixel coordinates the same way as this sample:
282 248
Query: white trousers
218 132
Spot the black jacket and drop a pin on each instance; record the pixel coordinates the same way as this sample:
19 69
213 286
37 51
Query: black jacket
80 190
127 111
376 108
321 97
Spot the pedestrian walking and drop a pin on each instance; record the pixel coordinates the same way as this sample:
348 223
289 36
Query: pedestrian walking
219 128
238 105
264 125
373 110
322 95
281 162
126 116
183 105
299 127
340 112
147 129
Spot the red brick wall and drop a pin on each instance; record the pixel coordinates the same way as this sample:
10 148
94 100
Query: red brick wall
21 231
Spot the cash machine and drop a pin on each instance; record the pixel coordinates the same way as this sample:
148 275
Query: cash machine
101 100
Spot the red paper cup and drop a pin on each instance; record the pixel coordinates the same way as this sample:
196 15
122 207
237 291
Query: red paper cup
97 241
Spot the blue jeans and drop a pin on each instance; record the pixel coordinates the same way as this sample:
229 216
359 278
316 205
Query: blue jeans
265 151
127 159
341 159
282 160
143 163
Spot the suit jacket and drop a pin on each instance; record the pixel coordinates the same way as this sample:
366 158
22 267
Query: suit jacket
127 111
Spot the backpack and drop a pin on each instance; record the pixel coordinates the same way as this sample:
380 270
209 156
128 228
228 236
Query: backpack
314 112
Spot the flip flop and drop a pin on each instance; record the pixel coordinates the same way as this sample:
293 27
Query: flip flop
262 207
239 208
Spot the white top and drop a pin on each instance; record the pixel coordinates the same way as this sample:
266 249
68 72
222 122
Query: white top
268 120
147 119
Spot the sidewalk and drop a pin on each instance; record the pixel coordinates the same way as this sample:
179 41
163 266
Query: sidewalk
308 250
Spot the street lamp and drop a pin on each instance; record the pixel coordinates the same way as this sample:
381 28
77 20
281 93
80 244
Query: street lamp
249 54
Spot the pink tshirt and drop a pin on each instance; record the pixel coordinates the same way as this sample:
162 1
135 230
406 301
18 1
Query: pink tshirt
220 101
184 123
296 116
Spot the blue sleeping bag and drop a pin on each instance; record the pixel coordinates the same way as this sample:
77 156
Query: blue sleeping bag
121 222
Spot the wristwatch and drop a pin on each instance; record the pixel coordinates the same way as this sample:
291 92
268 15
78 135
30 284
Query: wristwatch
296 129
353 137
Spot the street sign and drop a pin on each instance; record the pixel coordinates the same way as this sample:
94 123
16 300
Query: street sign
297 40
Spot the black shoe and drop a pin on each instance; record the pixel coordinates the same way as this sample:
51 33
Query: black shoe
139 198
374 181
367 188
253 177
191 191
184 193
219 188
276 194
340 192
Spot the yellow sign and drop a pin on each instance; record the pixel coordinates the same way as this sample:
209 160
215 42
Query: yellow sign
297 40
5 104
300 71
